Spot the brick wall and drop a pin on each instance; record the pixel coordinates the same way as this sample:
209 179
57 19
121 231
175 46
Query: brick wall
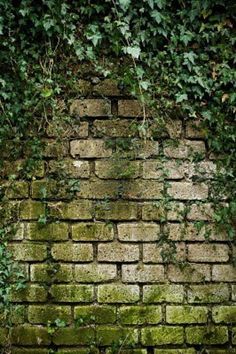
122 264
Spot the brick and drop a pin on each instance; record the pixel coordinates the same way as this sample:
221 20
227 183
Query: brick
65 129
184 149
186 314
195 130
75 210
118 252
147 149
129 108
173 211
142 189
53 272
208 252
233 292
169 169
30 335
188 191
116 210
114 128
128 351
55 149
203 169
50 189
163 293
16 313
95 148
108 335
207 335
95 273
142 273
224 272
28 251
31 293
71 252
28 351
191 273
3 336
100 189
107 87
234 335
190 232
118 293
210 293
19 232
175 351
49 313
71 168
91 108
152 336
138 232
96 231
139 315
203 211
17 190
168 252
72 293
224 314
31 209
98 314
48 232
74 336
117 169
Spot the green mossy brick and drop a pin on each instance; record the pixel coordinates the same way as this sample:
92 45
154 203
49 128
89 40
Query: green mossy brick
163 293
28 251
75 210
140 314
234 335
53 272
74 336
31 209
175 351
226 314
92 232
118 293
3 336
116 211
72 293
210 293
162 335
72 252
17 314
95 273
207 335
127 351
30 335
48 232
29 351
31 293
18 190
43 314
95 314
186 314
108 335
221 351
50 189
90 350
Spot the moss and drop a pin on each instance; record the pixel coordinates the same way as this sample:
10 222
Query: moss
48 232
226 314
74 336
140 314
114 335
30 209
95 314
72 293
32 293
162 335
49 313
29 335
186 314
163 293
207 335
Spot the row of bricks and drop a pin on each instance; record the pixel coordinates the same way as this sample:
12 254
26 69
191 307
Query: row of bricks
107 335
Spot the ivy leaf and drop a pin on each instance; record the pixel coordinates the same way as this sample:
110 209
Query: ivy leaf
124 4
134 51
47 92
157 16
182 97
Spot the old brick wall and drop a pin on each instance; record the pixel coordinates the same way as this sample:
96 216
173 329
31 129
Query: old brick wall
122 265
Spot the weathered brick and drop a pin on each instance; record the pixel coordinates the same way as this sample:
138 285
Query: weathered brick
161 335
107 87
233 292
100 189
92 232
30 335
31 209
206 335
72 252
142 189
142 273
208 252
174 211
16 313
191 273
65 129
168 252
139 315
95 273
56 149
91 148
128 351
75 210
195 130
116 210
3 336
28 351
91 108
108 335
203 211
190 232
117 169
99 314
48 232
31 293
147 149
43 314
114 128
118 293
176 351
138 232
74 336
163 293
210 293
188 191
129 108
50 189
186 314
118 252
169 169
72 293
225 314
224 272
71 168
53 272
17 190
28 251
184 149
